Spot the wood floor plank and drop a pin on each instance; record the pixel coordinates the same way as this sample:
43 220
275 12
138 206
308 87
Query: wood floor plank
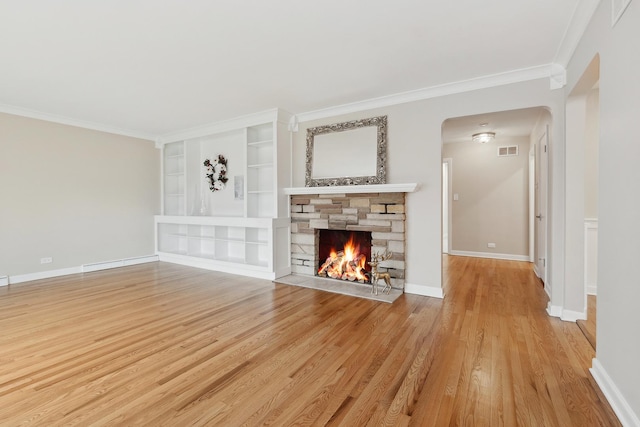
166 345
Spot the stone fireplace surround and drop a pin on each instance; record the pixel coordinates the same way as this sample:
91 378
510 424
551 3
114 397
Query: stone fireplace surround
379 209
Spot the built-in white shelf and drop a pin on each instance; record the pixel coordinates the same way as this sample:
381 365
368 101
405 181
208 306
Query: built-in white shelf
349 189
242 232
258 143
223 243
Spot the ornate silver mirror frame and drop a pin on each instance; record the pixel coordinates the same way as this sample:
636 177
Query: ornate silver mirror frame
366 149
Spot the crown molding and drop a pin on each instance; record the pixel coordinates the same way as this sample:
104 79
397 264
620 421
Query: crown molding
493 80
274 114
582 15
54 118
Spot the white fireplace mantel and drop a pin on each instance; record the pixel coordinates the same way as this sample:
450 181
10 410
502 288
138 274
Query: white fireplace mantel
349 189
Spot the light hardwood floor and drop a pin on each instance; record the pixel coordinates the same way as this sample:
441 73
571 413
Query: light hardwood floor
588 327
161 344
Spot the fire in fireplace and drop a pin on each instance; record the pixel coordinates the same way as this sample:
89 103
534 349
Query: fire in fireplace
344 254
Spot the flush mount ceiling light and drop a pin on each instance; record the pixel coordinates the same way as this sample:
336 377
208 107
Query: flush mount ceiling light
483 137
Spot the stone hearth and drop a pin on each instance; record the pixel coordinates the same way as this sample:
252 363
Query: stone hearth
383 214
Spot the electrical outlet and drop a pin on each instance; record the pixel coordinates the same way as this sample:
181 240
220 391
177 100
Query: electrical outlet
491 245
47 260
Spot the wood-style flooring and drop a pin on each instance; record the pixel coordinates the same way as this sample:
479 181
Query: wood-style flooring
588 327
166 345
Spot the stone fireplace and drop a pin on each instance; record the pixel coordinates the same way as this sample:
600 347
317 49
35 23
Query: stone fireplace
381 213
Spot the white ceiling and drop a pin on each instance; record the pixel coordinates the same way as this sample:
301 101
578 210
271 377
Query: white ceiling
505 124
155 66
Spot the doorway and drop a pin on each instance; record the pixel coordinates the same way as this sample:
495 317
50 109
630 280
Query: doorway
487 201
582 153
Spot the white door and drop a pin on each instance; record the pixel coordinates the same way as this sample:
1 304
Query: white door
540 266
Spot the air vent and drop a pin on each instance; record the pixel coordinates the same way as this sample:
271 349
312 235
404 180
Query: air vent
507 151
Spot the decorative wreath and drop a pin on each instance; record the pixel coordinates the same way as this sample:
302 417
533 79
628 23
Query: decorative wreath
216 173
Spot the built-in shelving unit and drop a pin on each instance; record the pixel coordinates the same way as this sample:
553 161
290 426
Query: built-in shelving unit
243 228
174 179
234 245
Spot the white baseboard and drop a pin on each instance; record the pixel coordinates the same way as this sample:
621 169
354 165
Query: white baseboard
554 310
617 401
96 266
4 280
592 290
427 291
508 257
566 315
21 278
215 265
572 316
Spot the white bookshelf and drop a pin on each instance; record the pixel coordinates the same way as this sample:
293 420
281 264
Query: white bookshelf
173 184
245 231
244 246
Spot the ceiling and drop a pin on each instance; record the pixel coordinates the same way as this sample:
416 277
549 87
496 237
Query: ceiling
505 124
150 67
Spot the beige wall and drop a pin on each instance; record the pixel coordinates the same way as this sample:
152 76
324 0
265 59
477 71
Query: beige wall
493 197
415 155
76 195
618 349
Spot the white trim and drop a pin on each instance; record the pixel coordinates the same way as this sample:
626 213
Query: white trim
140 260
54 118
590 288
449 219
554 310
87 268
493 80
4 280
572 316
427 291
582 14
615 398
558 77
532 205
20 278
617 14
226 125
249 270
508 257
347 189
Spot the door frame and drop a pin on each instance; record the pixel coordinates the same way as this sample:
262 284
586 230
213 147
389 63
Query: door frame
449 196
542 208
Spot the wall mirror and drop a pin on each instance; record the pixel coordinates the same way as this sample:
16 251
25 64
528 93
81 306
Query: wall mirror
348 153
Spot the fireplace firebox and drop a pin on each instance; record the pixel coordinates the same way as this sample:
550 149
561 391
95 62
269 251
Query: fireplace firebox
344 255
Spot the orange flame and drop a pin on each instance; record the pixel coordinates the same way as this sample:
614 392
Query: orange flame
346 264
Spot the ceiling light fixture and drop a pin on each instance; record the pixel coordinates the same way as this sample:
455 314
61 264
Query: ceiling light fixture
483 137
